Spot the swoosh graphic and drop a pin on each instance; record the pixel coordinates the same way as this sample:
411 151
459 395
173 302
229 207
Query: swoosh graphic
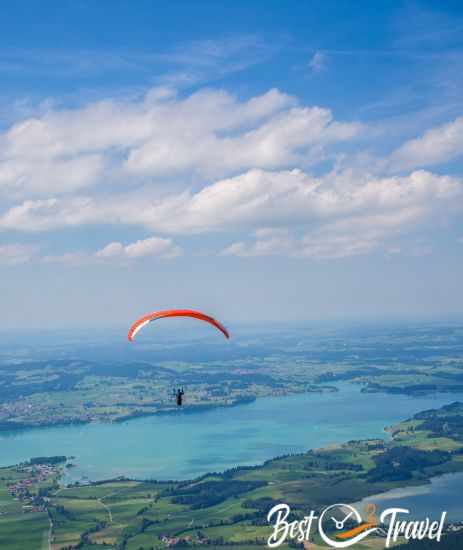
346 543
355 531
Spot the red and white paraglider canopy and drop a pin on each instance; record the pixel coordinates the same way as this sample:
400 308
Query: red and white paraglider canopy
143 321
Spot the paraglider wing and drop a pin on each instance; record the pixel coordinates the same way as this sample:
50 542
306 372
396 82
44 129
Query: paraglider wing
143 321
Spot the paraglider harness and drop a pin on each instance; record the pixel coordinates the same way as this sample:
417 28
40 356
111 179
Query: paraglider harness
179 396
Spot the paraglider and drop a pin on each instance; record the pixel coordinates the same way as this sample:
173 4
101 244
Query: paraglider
146 319
143 321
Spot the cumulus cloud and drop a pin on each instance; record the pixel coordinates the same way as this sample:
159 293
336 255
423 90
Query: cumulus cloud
155 247
207 134
295 136
211 162
48 214
275 199
355 218
435 146
254 199
50 175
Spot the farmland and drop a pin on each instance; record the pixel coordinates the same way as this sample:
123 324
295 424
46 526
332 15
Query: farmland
112 383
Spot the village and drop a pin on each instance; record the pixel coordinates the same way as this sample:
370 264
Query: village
33 482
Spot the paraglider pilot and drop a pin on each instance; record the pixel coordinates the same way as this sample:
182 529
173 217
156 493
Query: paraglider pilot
179 396
143 321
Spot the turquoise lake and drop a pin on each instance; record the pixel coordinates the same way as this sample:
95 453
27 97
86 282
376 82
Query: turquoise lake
182 445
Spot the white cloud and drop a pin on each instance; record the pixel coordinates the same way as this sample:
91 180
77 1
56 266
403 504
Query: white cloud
153 246
54 175
53 213
294 136
111 250
269 242
275 199
254 199
327 243
358 235
207 134
317 62
436 146
210 162
351 219
352 237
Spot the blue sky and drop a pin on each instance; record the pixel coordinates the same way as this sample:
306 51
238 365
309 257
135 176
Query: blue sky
258 160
